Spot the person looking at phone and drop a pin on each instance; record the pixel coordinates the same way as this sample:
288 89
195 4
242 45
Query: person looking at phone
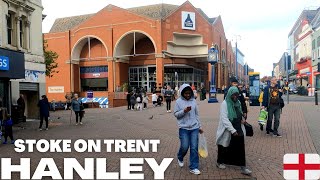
231 133
187 114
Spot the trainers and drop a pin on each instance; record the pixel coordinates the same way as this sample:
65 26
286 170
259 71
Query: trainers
169 111
80 123
195 171
268 133
221 166
5 142
40 129
277 135
76 124
47 129
12 141
180 163
245 171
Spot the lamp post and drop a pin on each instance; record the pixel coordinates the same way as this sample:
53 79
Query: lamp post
212 59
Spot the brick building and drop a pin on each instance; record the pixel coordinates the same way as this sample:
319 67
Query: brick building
147 46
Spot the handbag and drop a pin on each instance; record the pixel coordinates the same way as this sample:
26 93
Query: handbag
249 129
8 122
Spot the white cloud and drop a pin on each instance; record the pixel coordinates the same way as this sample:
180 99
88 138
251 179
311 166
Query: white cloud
263 25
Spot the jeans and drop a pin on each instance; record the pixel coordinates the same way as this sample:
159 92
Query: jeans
189 138
273 111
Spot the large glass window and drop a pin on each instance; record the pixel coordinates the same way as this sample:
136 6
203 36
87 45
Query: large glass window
139 77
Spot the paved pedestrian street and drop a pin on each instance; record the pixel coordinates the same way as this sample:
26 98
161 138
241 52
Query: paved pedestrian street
264 153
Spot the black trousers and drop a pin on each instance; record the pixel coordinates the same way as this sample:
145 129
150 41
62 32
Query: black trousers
41 121
8 133
78 114
168 104
144 105
234 154
129 105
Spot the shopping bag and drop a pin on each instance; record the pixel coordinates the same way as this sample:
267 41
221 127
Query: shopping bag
263 117
202 146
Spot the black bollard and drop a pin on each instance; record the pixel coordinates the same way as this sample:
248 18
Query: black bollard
316 97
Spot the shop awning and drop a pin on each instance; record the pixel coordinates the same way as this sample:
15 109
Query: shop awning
103 101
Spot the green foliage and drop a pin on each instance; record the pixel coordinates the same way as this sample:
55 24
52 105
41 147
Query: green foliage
50 58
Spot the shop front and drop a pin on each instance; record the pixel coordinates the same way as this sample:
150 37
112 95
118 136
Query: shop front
304 72
174 75
11 67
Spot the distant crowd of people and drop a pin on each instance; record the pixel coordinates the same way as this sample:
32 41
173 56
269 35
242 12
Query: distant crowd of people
138 99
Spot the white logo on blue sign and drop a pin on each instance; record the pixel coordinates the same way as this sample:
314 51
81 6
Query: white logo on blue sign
4 63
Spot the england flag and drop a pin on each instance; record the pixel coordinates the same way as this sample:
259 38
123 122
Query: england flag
301 166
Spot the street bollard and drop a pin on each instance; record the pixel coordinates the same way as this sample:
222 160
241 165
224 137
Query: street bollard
316 97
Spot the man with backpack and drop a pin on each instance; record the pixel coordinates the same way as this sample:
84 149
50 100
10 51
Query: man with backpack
273 101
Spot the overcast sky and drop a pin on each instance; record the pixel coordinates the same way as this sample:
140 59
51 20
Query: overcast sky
262 25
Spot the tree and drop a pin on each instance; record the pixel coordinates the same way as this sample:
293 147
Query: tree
50 58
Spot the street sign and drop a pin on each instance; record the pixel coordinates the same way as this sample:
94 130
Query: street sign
308 73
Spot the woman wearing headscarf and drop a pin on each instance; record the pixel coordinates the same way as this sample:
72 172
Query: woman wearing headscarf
231 133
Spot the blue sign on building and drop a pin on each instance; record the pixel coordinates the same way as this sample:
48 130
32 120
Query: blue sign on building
4 63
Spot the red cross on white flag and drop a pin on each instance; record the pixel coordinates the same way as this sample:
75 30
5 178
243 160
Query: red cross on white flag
301 166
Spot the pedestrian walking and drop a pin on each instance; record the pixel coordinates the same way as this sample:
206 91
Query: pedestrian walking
132 100
22 106
145 100
44 106
203 93
139 102
168 96
231 132
7 124
195 92
271 101
187 114
128 100
154 99
234 83
77 107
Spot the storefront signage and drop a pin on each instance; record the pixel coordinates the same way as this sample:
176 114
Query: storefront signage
305 70
12 64
55 89
4 63
188 20
178 70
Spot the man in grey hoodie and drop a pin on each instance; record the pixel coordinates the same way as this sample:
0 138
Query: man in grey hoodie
187 114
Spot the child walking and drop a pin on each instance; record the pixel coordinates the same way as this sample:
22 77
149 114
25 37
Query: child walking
7 123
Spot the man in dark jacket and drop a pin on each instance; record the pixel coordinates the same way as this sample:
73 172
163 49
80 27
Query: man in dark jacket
234 82
44 106
271 101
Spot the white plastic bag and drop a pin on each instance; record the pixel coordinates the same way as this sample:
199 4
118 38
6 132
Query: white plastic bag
202 146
